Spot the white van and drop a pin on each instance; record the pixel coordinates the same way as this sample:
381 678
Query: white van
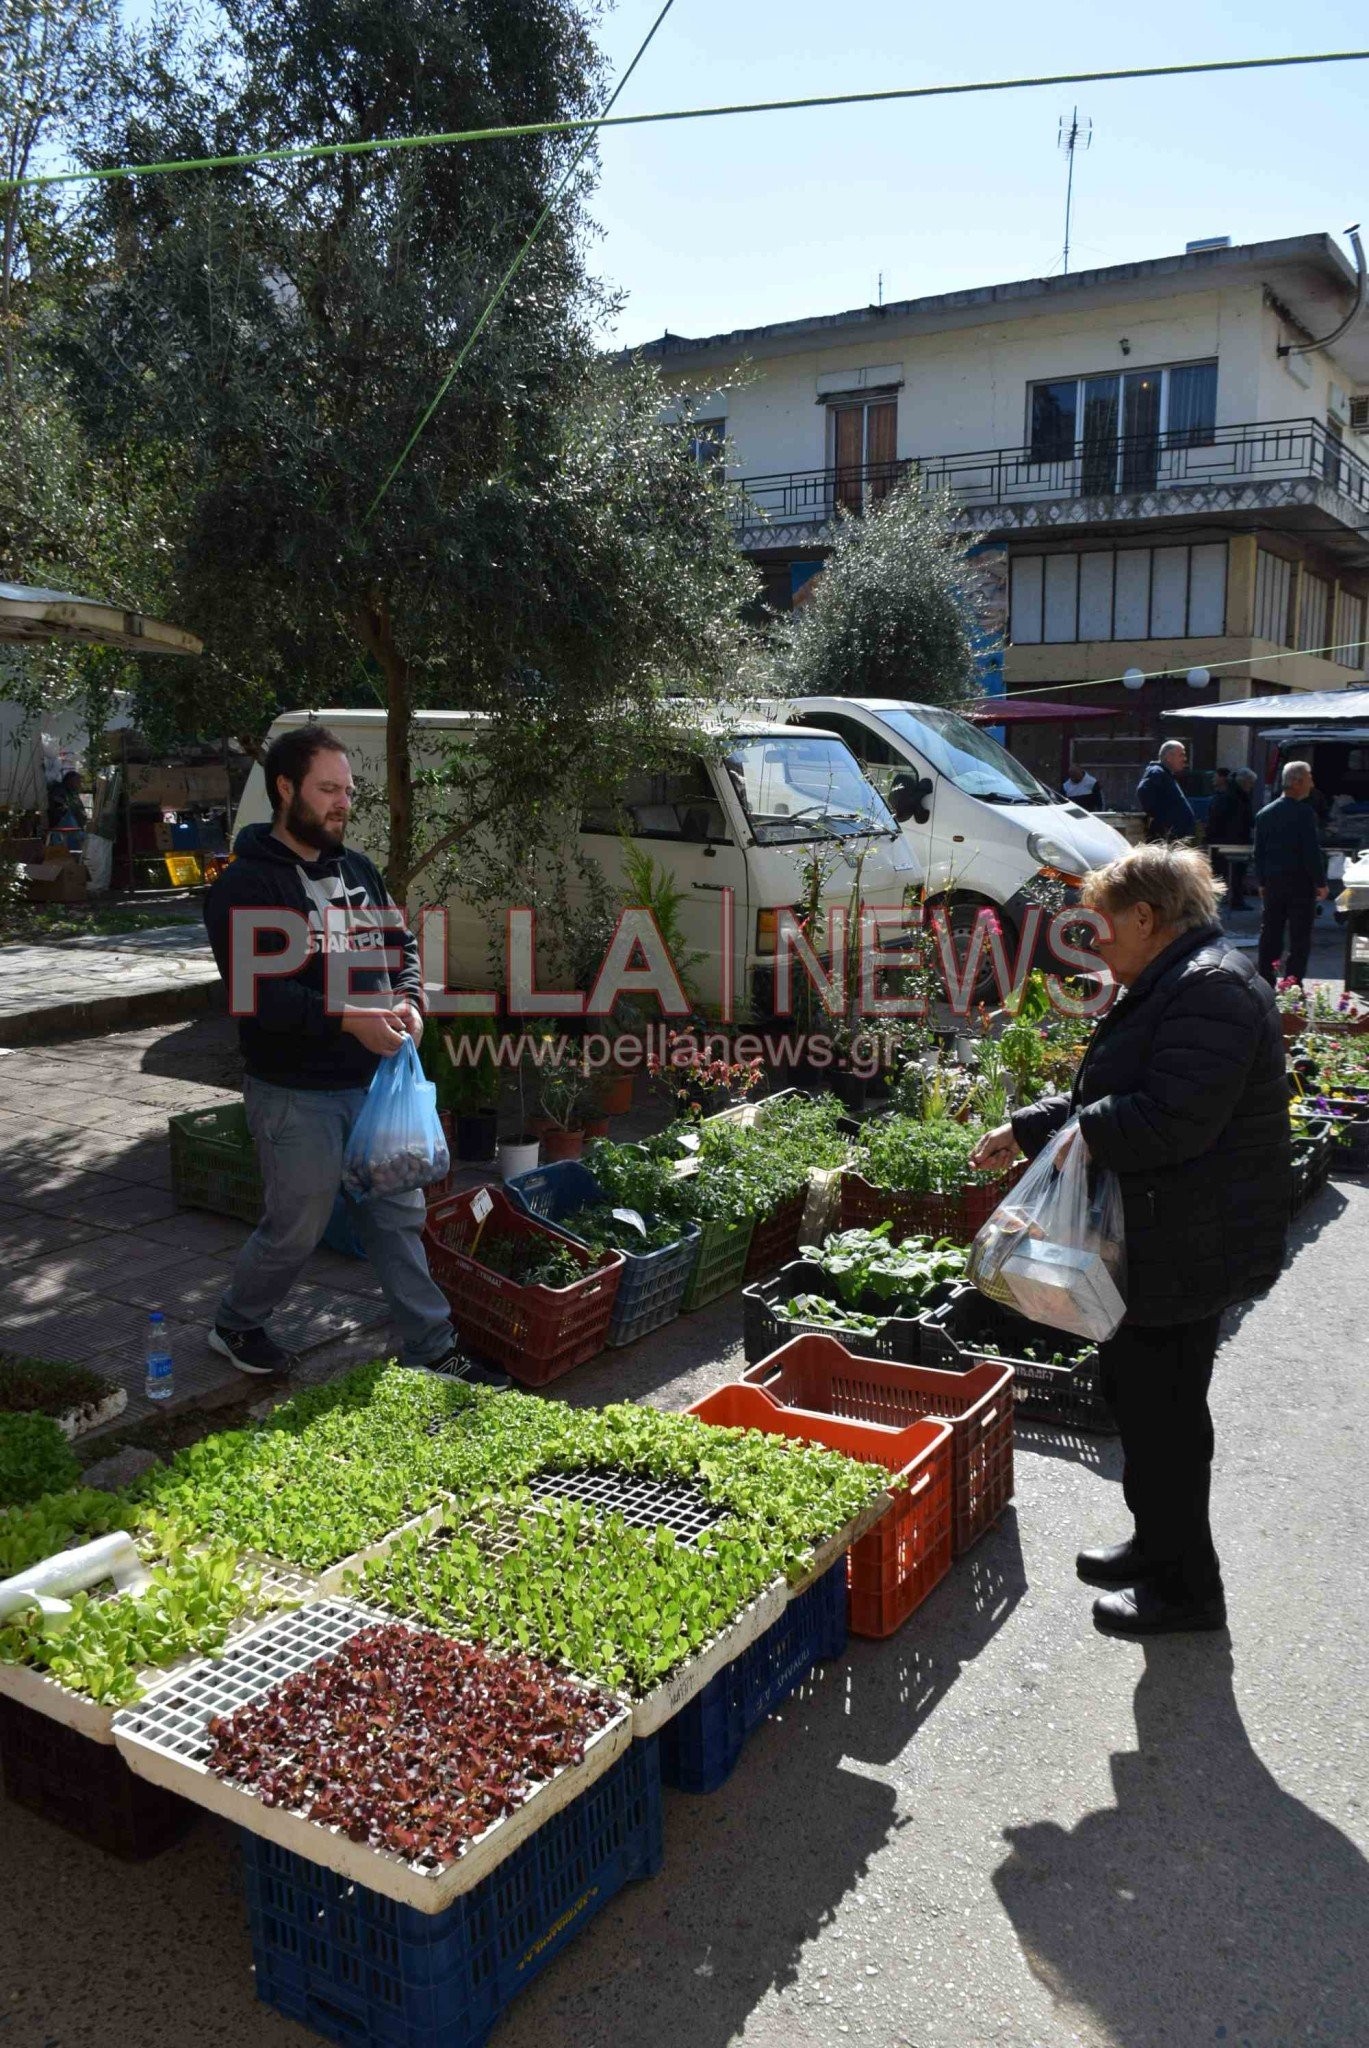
984 830
748 822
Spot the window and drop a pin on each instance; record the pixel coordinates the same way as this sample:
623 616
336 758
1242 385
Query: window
864 451
1314 613
869 748
708 443
1273 590
967 756
797 785
1117 426
1174 593
1350 647
669 803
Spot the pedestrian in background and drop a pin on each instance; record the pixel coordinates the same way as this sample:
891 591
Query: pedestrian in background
1183 1094
1290 870
1169 814
1082 788
1230 821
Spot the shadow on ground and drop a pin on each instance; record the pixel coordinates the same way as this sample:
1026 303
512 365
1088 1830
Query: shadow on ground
1207 1904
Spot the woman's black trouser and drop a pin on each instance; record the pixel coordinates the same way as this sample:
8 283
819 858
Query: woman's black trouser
1155 1379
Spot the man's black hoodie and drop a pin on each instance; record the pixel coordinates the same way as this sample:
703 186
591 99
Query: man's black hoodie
289 1037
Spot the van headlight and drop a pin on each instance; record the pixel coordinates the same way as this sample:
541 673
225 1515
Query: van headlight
1050 853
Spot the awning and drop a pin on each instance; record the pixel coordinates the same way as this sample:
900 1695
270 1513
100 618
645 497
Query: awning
28 614
1307 707
1011 710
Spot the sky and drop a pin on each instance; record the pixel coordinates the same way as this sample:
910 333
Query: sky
730 223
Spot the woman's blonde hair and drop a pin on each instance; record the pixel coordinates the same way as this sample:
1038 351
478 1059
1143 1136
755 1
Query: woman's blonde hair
1175 881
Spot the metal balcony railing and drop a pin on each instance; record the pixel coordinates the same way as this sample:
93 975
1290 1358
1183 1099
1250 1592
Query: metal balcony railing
1099 469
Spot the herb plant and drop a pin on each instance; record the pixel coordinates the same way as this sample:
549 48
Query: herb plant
867 1262
35 1458
407 1741
918 1156
531 1261
602 1231
832 1315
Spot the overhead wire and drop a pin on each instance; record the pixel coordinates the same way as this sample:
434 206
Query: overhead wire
1154 675
594 124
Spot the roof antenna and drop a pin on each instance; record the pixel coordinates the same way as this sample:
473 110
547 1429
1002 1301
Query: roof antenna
881 288
1070 139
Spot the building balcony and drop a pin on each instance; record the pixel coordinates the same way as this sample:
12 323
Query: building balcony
1295 470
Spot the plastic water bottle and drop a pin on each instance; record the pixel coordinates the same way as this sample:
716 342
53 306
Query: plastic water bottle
160 1383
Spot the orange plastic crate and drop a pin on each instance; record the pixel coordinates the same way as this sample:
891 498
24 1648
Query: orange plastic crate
818 1375
536 1333
893 1568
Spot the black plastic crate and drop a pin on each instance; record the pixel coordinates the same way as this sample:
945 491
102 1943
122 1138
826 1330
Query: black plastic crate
954 1338
764 1330
86 1787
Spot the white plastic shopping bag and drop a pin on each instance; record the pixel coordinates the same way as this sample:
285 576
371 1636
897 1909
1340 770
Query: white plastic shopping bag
1055 1249
396 1144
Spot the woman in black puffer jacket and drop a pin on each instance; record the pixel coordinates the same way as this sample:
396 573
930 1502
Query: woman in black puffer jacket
1183 1093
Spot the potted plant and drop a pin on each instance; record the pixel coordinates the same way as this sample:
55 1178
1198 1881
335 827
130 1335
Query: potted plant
471 1085
520 1153
562 1091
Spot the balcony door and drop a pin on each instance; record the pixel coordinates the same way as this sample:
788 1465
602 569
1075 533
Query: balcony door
864 452
1121 436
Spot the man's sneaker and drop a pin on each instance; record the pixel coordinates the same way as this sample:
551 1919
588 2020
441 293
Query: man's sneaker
251 1351
455 1365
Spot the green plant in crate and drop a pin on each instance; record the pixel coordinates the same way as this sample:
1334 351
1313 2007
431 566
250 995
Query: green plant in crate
35 1458
918 1156
865 1262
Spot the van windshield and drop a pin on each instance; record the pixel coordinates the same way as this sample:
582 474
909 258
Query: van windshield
967 757
796 786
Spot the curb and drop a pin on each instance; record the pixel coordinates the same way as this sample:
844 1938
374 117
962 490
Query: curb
109 1013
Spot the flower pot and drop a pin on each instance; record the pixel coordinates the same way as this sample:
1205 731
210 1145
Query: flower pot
538 1126
563 1144
596 1127
518 1155
615 1096
476 1134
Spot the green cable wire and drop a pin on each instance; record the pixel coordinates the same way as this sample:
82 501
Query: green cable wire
595 123
507 279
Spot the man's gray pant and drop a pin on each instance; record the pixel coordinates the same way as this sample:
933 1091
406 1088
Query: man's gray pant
300 1134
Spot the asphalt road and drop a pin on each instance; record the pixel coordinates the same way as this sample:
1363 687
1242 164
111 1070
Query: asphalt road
997 1827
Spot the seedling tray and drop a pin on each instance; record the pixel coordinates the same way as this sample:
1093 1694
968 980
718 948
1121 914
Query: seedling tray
701 1745
359 1968
536 1333
958 1216
764 1330
819 1378
897 1557
651 1713
214 1162
85 1787
642 1503
1070 1395
165 1740
653 1283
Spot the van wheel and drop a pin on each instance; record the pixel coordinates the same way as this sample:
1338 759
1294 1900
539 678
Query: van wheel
962 913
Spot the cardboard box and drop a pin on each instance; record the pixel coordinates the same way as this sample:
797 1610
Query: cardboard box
61 878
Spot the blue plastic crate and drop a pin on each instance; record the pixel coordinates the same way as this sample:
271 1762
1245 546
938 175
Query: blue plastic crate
653 1283
369 1973
701 1745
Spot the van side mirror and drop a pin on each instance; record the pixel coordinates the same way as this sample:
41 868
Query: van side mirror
908 798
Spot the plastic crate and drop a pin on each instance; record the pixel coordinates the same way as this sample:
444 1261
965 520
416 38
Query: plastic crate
185 870
214 1162
653 1283
721 1262
701 1744
895 1565
821 1376
764 1330
1069 1394
86 1787
775 1239
959 1216
536 1333
361 1969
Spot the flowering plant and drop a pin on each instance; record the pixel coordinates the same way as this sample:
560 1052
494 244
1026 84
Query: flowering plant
690 1075
1290 996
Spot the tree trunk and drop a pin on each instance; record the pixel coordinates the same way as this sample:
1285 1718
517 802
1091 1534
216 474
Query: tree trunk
377 632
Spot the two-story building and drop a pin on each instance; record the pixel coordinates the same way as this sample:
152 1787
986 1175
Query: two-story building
1164 477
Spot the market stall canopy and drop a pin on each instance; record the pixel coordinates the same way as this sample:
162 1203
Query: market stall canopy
1306 707
28 614
1032 711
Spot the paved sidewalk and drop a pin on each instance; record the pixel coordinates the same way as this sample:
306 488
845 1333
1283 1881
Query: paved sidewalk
90 1237
101 981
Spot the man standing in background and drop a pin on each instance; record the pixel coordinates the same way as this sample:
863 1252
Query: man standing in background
1290 869
1169 814
1230 822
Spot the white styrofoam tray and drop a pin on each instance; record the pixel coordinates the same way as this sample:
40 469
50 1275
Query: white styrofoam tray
165 1740
662 1704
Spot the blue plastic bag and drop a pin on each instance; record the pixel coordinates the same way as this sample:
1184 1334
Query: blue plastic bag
396 1143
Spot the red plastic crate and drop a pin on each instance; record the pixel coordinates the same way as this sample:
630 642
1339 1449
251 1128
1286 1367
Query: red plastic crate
820 1376
959 1216
893 1568
775 1240
536 1333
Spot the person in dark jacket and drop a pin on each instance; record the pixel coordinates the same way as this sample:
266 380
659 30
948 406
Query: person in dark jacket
1290 869
1182 1094
1169 814
310 1058
1230 822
